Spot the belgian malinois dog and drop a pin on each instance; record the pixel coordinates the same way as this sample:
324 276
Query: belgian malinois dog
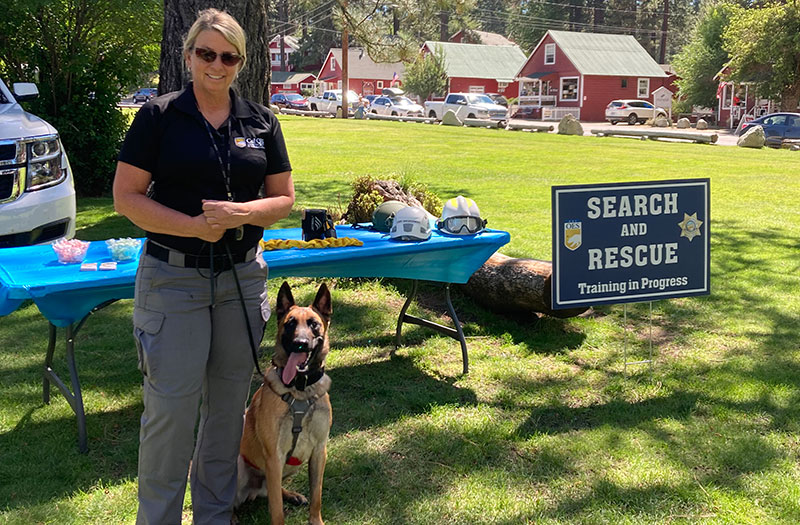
289 418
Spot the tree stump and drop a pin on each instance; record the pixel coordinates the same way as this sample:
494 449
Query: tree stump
513 286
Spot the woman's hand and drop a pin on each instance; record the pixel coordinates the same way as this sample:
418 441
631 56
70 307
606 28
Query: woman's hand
224 215
205 231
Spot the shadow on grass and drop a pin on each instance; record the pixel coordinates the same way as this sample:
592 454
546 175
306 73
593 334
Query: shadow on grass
615 413
375 394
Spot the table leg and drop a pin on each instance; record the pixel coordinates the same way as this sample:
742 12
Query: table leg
74 396
457 333
48 361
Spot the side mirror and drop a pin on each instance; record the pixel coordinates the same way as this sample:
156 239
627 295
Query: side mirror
25 91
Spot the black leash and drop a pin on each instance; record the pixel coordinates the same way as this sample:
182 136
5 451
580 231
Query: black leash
225 169
244 310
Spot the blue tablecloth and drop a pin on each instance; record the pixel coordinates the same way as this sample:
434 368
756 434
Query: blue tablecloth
64 294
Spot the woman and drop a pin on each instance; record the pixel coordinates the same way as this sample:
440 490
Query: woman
189 174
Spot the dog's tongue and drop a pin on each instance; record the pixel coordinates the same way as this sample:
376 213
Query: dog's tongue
290 370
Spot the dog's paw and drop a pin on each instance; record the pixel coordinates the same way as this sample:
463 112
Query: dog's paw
294 498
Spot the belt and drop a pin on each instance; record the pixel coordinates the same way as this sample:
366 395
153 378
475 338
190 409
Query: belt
186 260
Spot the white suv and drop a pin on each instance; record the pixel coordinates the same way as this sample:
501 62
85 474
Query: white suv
37 193
631 111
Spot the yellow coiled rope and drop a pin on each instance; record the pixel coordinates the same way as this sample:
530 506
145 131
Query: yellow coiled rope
285 244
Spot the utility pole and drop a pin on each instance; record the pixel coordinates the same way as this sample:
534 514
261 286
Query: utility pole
345 53
284 22
662 54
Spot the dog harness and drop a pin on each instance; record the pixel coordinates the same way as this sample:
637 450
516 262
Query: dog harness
298 410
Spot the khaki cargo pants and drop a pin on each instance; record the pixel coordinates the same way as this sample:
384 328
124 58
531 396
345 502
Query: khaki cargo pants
193 355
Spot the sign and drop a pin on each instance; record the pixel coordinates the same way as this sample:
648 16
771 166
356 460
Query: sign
630 242
662 98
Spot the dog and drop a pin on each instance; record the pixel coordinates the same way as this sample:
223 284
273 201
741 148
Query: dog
289 418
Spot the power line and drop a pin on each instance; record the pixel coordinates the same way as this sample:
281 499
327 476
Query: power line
537 22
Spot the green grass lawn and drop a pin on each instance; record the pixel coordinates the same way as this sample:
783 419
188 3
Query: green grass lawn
549 426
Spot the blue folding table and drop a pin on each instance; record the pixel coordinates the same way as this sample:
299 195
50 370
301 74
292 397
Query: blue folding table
67 297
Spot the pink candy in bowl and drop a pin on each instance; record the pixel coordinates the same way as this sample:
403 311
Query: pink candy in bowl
70 251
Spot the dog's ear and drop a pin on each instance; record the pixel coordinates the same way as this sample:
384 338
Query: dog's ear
285 301
322 303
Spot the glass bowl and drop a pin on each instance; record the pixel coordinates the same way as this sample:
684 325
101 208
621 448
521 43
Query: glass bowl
70 251
124 249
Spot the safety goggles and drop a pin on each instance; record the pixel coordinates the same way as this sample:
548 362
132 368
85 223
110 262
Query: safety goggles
207 55
461 224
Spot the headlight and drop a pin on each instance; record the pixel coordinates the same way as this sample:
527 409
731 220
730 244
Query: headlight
44 164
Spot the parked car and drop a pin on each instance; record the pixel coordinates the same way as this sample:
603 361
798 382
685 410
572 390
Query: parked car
467 105
290 101
498 99
631 111
144 94
331 102
370 98
400 106
37 194
777 126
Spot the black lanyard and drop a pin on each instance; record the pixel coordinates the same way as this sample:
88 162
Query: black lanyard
225 168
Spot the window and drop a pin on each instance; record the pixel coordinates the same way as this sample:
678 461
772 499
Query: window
501 86
379 84
726 96
305 86
338 84
333 64
549 54
777 120
569 89
624 83
644 88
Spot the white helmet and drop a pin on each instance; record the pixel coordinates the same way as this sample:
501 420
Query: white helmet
461 216
411 224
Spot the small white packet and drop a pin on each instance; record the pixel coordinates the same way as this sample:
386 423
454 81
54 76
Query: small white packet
89 267
108 266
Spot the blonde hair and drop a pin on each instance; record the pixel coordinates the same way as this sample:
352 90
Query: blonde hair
222 22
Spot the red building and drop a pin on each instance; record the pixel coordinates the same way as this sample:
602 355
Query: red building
290 45
365 77
291 82
479 68
580 73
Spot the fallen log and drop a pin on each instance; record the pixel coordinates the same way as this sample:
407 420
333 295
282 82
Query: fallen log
658 134
483 123
306 113
400 118
508 285
528 126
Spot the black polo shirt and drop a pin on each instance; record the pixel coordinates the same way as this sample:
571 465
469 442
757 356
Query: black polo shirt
169 138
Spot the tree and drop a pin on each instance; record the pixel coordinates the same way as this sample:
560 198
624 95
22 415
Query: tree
764 45
703 57
179 15
83 55
426 76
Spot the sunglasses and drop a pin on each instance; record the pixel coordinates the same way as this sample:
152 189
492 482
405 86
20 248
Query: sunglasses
207 55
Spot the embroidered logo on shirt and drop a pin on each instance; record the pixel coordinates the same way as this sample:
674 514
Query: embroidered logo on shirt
249 142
